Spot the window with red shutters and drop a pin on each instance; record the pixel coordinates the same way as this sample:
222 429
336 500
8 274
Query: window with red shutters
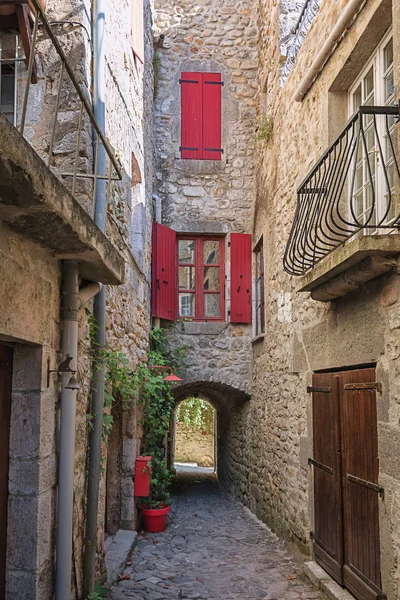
240 278
164 272
201 278
201 130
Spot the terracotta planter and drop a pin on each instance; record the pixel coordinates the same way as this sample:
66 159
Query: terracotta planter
155 518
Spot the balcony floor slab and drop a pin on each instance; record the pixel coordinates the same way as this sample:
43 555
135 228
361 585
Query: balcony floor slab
37 205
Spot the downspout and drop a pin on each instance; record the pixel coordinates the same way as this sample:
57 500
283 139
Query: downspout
100 213
157 219
71 303
345 20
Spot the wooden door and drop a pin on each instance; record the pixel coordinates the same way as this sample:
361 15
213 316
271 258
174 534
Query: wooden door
328 537
5 410
346 490
360 468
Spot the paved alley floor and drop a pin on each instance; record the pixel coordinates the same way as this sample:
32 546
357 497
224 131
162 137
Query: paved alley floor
212 549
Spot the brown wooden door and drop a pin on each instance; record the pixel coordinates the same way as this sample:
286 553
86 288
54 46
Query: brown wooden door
5 409
360 468
328 537
346 491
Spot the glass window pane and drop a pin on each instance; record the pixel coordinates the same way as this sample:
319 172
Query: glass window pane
7 93
211 279
389 85
211 305
186 278
187 305
369 84
388 54
357 98
186 251
211 252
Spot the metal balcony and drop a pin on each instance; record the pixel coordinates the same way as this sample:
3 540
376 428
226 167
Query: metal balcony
52 96
353 190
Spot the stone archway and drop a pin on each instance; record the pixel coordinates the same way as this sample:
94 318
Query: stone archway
227 402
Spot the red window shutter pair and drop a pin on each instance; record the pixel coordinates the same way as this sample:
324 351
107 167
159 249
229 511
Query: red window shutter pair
201 116
240 278
164 275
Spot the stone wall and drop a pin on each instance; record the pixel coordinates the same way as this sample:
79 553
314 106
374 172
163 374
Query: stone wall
192 443
204 196
270 438
30 316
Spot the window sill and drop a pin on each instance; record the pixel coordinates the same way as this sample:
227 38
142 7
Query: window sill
350 266
258 338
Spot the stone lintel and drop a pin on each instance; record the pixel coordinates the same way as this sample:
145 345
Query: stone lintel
350 266
38 206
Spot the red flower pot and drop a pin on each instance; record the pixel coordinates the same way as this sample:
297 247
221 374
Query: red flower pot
155 518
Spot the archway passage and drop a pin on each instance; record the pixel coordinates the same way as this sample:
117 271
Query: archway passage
194 440
226 403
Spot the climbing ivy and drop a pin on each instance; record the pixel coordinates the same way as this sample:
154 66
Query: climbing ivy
196 413
153 394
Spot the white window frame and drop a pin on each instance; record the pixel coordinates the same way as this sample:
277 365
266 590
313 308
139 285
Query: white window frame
377 63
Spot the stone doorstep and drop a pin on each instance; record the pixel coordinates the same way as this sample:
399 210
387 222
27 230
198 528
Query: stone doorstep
325 583
117 549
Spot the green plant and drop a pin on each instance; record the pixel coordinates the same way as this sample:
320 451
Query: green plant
196 413
157 408
99 593
264 128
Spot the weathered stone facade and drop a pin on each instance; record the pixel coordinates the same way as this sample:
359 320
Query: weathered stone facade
204 197
31 302
265 461
192 444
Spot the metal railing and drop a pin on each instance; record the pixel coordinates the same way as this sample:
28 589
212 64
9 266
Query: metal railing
355 186
299 32
100 163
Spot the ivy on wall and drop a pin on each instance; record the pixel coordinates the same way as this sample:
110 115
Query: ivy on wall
197 414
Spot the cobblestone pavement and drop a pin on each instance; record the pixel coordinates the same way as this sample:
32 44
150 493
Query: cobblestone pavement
212 549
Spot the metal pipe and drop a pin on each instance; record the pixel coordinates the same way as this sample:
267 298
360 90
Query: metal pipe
100 214
70 306
346 18
88 292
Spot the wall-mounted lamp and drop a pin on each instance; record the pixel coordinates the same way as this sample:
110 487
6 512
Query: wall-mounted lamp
171 377
64 367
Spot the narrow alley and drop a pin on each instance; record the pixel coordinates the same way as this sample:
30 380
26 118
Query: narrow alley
212 549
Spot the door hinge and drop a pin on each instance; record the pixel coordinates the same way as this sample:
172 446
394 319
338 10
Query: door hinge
214 150
187 81
323 390
319 465
368 484
190 149
214 82
364 386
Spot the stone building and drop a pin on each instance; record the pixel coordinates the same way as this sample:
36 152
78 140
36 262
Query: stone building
205 110
306 390
317 441
57 241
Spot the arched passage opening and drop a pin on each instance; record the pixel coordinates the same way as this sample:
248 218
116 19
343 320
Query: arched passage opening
195 435
228 403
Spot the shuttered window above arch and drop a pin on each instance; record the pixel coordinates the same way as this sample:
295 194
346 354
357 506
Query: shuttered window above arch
201 105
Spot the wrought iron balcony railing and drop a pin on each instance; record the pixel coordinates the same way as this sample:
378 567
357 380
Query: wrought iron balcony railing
354 187
50 98
299 32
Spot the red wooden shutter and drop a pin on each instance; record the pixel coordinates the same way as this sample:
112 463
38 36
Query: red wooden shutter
191 115
164 303
240 278
212 87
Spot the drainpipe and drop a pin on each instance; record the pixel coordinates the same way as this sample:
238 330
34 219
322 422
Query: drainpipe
353 7
100 213
70 304
72 300
157 218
